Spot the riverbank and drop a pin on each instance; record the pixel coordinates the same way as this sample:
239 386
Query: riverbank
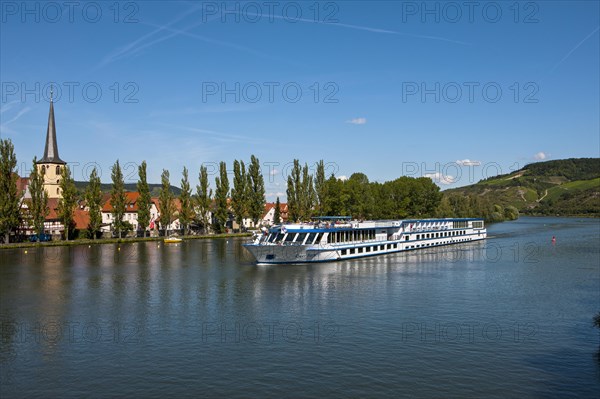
113 241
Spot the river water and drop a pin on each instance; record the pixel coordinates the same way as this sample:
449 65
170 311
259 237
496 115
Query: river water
511 316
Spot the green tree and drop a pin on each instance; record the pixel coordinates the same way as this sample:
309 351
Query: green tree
38 204
335 197
144 200
425 197
511 213
10 197
117 198
307 194
93 198
444 210
277 215
300 192
359 196
240 192
204 195
320 186
186 215
66 205
221 193
256 190
165 201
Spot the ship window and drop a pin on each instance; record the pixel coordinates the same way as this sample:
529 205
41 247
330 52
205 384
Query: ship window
318 240
360 250
343 252
290 237
351 251
368 249
279 237
311 238
407 238
300 238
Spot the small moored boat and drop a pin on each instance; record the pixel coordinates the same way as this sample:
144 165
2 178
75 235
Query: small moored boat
173 240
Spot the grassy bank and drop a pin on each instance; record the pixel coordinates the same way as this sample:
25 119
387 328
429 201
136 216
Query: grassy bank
113 241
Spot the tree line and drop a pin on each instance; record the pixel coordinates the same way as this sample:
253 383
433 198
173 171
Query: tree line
246 198
405 197
308 195
357 197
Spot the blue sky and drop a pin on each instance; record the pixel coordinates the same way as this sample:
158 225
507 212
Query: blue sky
384 88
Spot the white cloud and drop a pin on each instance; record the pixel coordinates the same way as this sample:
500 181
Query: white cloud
4 126
540 156
468 162
343 177
440 178
357 121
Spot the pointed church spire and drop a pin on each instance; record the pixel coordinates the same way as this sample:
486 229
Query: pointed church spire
51 150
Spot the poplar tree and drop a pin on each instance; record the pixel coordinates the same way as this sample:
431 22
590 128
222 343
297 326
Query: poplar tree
186 215
10 197
66 205
144 200
256 191
320 186
307 194
300 193
221 192
165 201
38 204
239 192
93 199
277 215
118 198
293 182
204 195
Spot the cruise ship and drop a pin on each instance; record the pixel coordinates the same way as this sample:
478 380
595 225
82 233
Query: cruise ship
334 238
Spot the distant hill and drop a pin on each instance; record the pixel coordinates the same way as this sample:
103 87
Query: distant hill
569 187
106 187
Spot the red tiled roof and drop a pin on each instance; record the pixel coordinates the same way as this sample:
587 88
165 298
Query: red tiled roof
131 205
53 207
81 218
176 202
283 209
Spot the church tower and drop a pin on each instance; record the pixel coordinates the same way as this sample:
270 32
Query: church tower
50 166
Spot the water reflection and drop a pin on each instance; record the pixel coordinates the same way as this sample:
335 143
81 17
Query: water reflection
162 296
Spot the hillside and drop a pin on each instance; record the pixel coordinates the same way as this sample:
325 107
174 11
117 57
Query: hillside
106 187
562 187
